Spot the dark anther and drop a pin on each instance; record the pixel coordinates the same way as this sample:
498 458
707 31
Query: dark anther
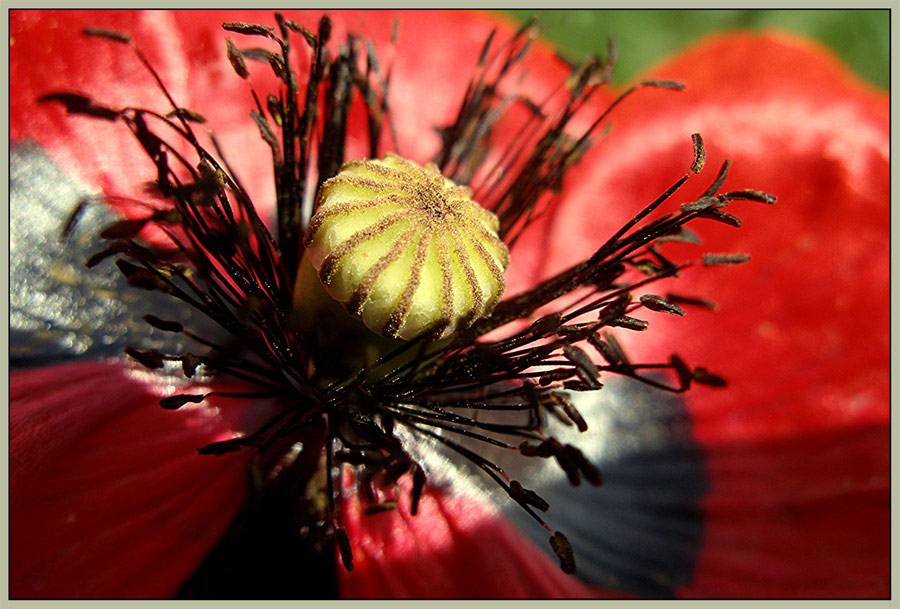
75 216
140 277
563 550
570 410
188 115
722 216
249 29
79 104
225 446
162 324
546 324
704 377
384 506
630 323
658 303
545 449
343 544
615 309
174 402
702 204
236 60
748 195
699 153
108 34
684 373
189 363
689 300
724 259
418 486
151 359
124 229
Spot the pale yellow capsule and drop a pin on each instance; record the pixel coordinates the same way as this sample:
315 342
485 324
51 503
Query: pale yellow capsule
405 249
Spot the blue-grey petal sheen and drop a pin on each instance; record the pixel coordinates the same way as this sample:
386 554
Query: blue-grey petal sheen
58 308
641 531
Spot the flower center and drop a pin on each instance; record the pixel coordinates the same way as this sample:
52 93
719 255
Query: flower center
405 249
433 201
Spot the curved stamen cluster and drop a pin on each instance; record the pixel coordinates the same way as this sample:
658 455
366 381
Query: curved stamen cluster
406 249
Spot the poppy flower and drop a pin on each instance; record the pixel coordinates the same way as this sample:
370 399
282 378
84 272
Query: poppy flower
774 487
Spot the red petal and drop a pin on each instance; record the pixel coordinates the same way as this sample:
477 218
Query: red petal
455 547
782 111
187 51
189 55
802 329
108 496
187 48
806 516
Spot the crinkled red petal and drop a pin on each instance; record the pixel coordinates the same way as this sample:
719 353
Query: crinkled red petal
798 444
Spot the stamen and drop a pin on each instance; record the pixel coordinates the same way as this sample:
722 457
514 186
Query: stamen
404 247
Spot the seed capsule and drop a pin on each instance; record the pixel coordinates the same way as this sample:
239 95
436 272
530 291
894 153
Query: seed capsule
406 249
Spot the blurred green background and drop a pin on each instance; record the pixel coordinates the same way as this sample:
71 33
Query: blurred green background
644 37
